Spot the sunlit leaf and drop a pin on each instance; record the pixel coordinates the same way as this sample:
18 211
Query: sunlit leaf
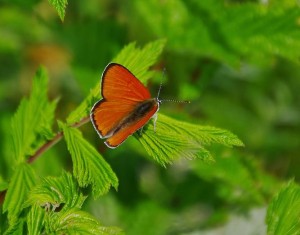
89 167
284 211
35 220
75 221
206 29
22 181
173 139
138 61
33 119
56 192
60 6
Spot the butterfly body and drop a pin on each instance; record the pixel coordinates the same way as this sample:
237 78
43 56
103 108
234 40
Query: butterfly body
125 108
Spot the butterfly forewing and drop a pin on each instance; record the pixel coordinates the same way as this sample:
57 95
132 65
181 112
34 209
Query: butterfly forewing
118 83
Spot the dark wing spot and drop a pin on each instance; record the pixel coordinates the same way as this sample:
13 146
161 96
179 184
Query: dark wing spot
140 111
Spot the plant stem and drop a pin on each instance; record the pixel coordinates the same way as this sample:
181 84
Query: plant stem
46 146
54 140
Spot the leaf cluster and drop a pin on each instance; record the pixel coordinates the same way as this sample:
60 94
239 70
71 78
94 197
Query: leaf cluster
284 210
31 135
239 58
56 202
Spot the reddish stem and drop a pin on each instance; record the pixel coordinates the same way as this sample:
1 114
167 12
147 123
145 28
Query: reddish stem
46 146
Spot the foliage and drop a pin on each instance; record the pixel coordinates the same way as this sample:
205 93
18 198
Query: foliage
60 6
21 183
228 32
52 195
236 61
284 211
31 125
88 165
74 221
35 219
172 139
236 176
52 192
33 119
138 61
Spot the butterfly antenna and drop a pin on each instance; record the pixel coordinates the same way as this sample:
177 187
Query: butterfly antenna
177 101
168 100
161 82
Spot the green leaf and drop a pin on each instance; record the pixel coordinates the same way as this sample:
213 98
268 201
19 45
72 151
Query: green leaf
195 34
16 228
173 139
283 216
3 184
89 167
136 60
32 122
261 33
35 220
60 7
84 109
75 221
150 215
237 179
22 181
53 191
206 28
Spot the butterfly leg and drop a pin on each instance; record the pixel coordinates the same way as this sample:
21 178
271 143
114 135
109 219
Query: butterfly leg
141 131
154 122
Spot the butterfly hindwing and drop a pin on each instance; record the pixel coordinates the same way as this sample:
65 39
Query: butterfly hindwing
120 136
106 115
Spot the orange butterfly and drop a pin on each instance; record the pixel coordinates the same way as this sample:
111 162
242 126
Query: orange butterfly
126 105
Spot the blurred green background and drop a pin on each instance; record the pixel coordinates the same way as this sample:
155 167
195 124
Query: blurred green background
236 61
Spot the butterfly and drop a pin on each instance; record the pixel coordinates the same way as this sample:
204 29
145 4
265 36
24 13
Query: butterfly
126 105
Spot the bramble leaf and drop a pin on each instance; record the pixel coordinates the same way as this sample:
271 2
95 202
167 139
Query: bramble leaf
22 181
206 29
138 61
16 228
284 211
89 167
54 191
3 184
173 139
60 7
35 220
31 124
238 179
75 221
